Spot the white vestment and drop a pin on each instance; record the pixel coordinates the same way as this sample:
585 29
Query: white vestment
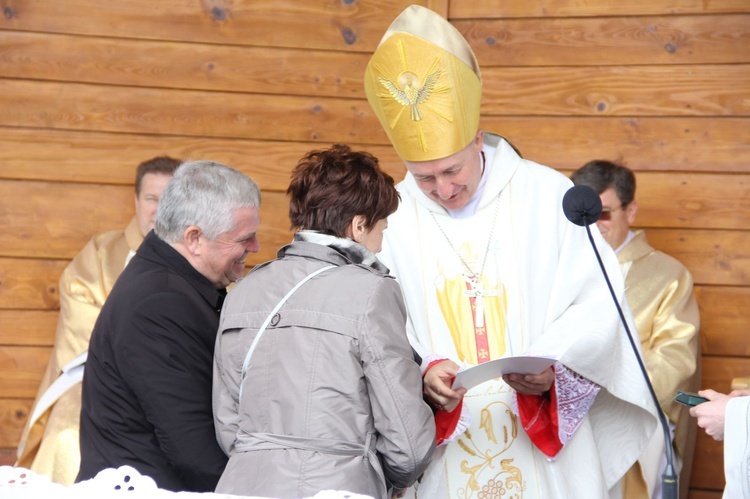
737 448
546 296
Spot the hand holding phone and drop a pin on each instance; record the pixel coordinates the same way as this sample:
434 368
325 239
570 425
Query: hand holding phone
689 399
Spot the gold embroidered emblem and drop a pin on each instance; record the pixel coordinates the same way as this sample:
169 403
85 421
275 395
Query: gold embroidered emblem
486 425
480 460
408 92
412 88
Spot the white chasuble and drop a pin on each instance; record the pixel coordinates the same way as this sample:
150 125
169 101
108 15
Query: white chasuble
737 448
536 290
463 269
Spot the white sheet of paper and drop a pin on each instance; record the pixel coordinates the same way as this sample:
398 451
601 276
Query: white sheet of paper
475 375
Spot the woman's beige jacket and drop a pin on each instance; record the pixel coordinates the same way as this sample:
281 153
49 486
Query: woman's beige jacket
332 398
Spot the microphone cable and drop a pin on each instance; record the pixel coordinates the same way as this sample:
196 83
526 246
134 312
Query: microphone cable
582 206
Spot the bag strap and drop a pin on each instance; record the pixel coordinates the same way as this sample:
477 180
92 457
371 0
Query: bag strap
263 327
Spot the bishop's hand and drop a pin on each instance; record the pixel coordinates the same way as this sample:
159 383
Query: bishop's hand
531 384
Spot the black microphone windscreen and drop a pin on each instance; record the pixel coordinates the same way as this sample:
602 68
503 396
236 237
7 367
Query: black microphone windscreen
582 205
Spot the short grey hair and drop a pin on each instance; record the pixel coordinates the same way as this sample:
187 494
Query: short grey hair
205 194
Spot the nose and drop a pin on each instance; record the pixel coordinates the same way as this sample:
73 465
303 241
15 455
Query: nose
253 245
443 187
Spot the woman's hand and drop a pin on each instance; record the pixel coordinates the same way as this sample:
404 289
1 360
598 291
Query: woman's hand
437 386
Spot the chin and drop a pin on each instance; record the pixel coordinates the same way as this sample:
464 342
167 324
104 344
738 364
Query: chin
237 275
456 204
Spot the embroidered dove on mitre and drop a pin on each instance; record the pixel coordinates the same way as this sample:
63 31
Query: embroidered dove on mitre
412 94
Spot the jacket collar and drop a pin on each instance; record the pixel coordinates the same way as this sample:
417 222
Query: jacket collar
333 249
160 252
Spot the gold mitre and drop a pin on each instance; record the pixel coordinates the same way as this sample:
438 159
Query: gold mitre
423 83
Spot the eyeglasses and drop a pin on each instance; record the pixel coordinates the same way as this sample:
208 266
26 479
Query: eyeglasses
607 212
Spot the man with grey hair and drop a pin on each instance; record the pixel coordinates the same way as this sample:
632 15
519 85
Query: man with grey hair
147 384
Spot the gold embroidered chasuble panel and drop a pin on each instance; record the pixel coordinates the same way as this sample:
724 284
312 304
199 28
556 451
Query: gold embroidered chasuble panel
494 456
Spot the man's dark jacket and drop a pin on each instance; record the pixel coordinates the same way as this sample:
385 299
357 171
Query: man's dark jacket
147 382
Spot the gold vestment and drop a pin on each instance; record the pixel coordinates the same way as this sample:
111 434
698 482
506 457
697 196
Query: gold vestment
50 447
659 290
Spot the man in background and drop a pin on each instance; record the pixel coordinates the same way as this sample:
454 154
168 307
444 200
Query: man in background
659 290
49 443
147 384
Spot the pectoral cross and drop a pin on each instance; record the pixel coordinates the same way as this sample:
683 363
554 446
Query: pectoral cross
477 291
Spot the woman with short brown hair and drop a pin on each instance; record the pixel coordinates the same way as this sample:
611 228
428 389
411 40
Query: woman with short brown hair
315 386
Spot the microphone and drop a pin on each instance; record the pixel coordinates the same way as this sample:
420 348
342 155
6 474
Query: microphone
583 206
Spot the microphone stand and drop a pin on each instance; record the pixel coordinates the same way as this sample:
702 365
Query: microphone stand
669 477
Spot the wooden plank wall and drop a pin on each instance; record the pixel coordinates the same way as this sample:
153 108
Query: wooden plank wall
89 89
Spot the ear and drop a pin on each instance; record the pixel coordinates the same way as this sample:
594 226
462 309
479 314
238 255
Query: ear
631 210
357 227
191 239
479 139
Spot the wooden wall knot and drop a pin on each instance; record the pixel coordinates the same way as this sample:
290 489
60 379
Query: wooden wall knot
218 14
350 37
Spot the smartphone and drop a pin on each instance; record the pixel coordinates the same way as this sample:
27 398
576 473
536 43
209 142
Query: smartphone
689 399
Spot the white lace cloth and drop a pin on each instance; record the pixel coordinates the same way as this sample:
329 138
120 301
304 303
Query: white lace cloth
17 483
575 396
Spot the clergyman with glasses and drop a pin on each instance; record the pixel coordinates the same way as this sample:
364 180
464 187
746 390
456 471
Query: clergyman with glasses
659 290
